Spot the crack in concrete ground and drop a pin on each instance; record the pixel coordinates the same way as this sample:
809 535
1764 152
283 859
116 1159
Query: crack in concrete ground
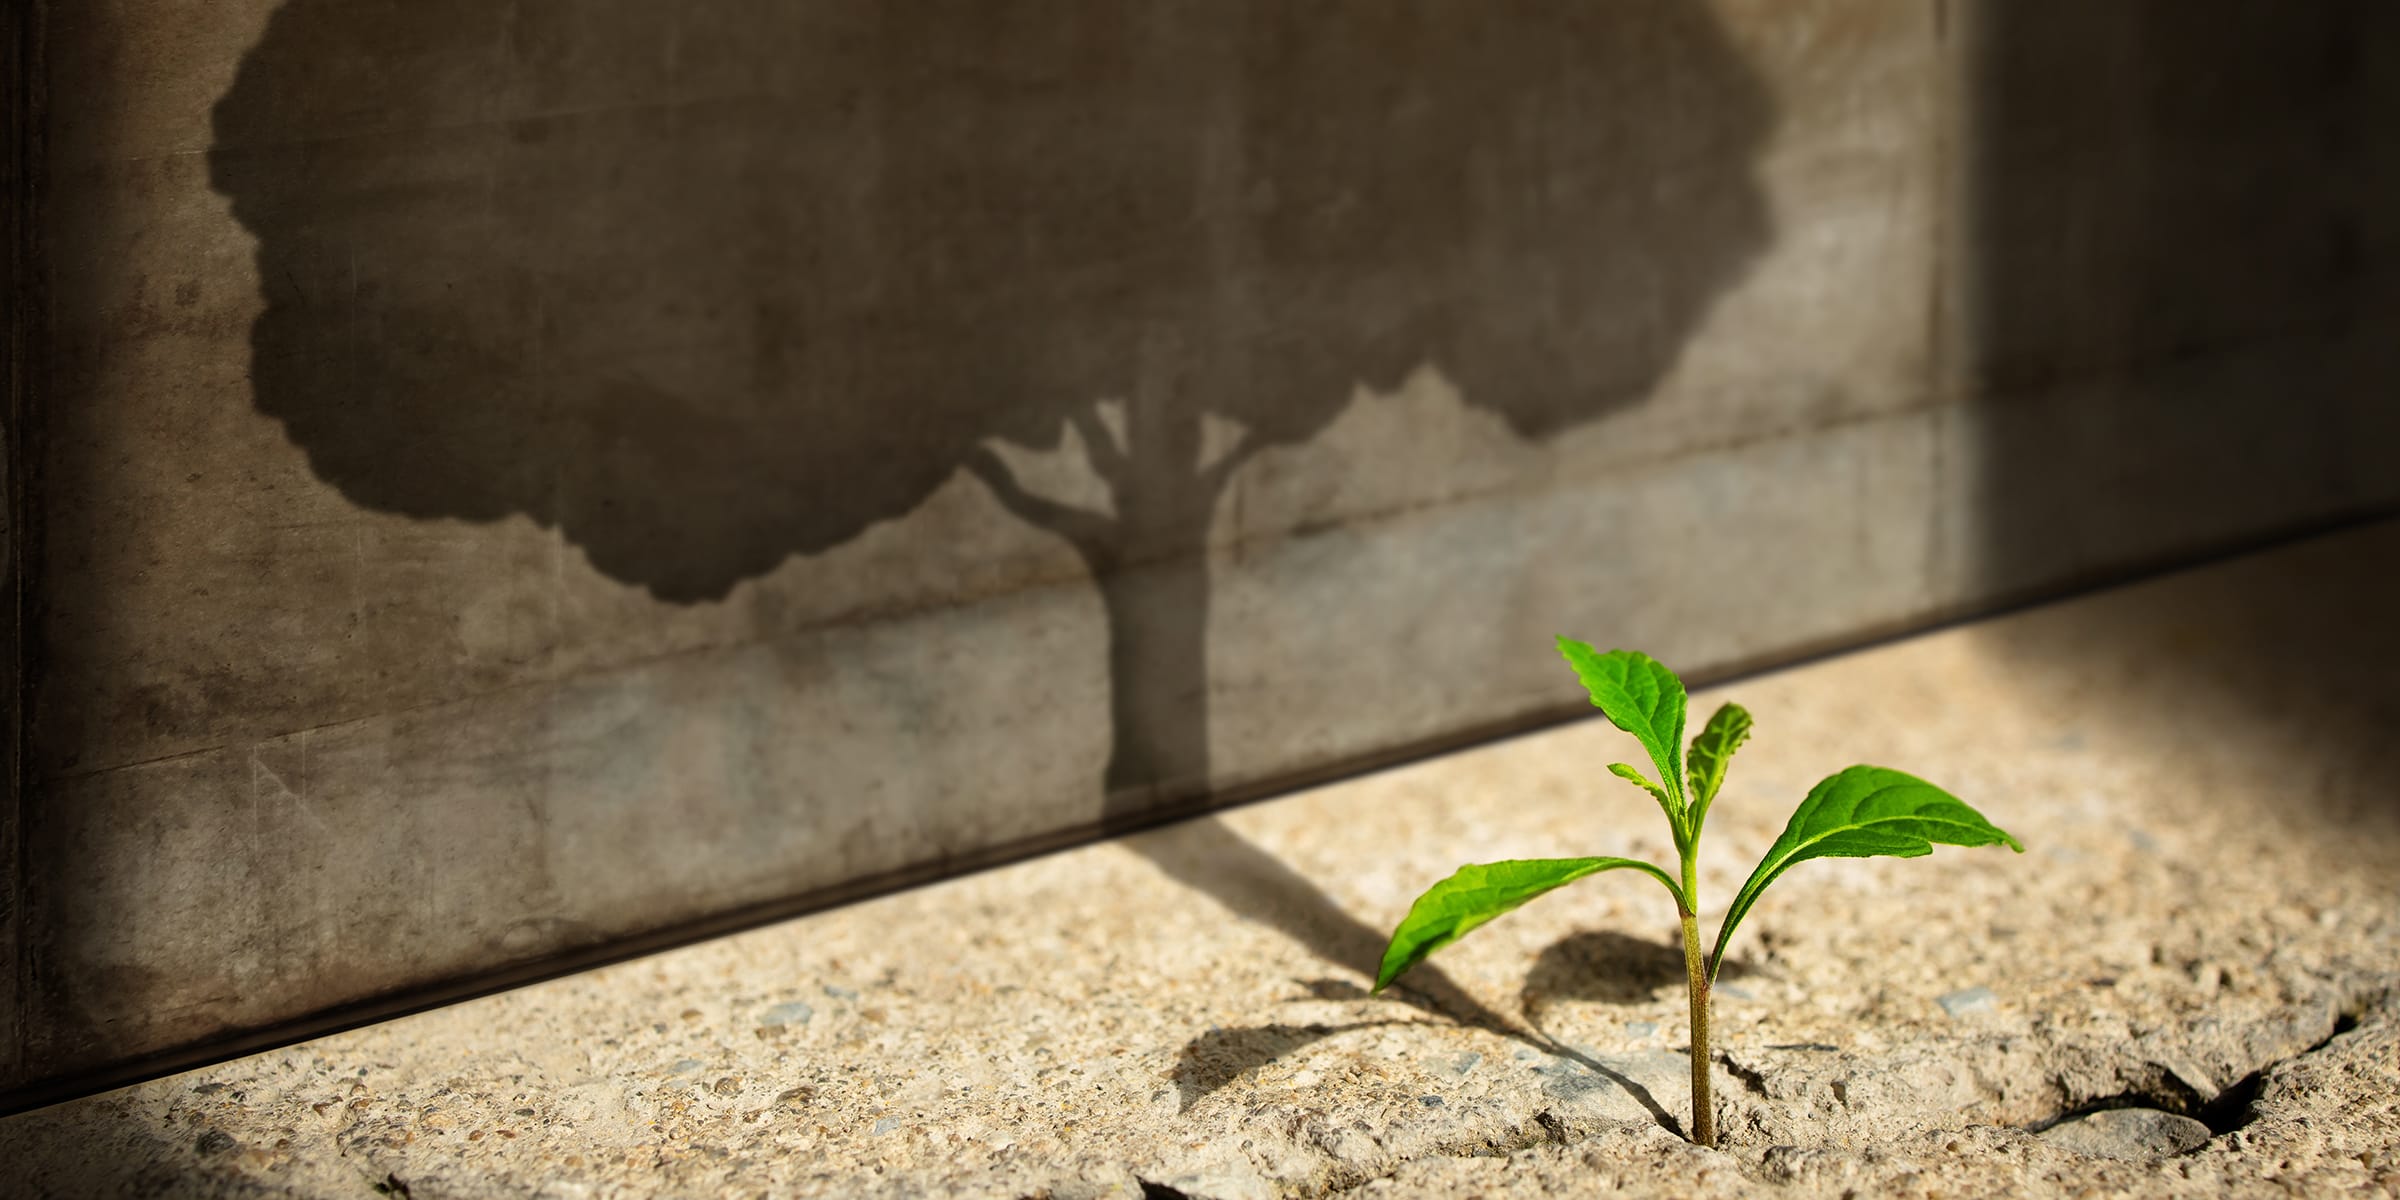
2194 926
1566 1161
1784 1165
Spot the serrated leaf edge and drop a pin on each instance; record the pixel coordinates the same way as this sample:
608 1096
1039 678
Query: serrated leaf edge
1665 748
1633 775
1706 787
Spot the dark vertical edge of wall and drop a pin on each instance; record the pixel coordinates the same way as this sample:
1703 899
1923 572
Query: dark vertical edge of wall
1952 41
21 309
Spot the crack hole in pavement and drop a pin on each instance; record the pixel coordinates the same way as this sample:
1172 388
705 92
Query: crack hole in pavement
2230 1109
1153 1190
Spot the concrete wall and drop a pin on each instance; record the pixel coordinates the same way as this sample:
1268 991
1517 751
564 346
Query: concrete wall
515 482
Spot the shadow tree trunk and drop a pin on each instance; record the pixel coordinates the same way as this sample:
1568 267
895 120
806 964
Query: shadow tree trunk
1154 580
1158 684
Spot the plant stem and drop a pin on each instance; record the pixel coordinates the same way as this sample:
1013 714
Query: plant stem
1704 1111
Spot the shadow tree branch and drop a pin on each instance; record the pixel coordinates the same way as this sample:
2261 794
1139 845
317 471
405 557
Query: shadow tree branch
1101 446
1092 533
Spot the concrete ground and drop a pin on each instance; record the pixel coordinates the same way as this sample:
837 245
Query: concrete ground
2200 940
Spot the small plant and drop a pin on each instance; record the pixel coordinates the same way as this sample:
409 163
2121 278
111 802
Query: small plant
1861 812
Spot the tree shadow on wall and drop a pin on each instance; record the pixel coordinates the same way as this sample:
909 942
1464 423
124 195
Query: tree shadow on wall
709 285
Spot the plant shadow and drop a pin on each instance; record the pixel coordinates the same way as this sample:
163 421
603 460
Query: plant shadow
1212 858
1216 860
1608 967
1220 1057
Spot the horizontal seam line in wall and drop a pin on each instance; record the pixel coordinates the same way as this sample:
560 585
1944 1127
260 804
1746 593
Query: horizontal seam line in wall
390 1005
2072 372
386 1006
872 616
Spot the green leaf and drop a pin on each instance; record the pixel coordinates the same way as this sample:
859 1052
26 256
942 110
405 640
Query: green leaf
1645 699
1451 909
1712 751
1633 775
1863 812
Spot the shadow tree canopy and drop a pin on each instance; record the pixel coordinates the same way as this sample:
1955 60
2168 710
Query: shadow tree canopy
710 284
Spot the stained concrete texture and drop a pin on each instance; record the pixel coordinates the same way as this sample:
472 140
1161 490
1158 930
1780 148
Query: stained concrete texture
2204 924
514 480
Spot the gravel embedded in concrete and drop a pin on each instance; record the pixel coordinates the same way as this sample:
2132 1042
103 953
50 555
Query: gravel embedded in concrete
2204 923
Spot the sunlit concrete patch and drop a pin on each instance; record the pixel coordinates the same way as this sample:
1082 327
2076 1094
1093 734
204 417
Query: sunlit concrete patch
2196 928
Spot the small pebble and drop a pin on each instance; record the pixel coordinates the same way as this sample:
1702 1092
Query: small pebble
884 1126
1430 1101
1969 1002
796 1012
2133 1134
840 993
1641 1029
215 1141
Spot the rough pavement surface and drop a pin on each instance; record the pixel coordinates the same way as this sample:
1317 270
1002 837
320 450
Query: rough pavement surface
2203 769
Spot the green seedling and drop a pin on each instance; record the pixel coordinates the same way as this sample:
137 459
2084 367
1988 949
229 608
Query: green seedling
1861 812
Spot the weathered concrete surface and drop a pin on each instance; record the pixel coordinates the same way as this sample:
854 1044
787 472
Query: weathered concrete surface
2138 265
2204 923
515 478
